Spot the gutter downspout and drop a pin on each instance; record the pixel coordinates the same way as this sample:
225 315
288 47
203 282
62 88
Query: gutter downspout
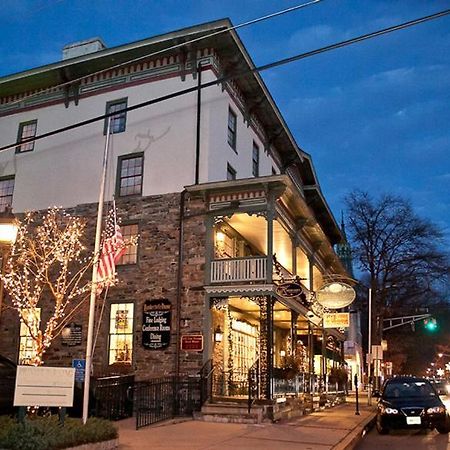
181 222
199 111
180 280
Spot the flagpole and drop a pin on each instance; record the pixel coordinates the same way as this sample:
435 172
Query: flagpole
98 233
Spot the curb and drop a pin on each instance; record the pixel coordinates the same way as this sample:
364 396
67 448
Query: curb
352 439
103 445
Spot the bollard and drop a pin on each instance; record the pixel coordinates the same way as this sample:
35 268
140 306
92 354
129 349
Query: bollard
357 399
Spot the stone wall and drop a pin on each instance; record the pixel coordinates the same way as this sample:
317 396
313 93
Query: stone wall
154 276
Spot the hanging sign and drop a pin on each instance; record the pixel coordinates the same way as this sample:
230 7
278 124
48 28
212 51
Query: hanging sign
336 320
335 295
289 290
157 318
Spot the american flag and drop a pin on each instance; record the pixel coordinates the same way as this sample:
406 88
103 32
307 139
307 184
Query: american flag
112 249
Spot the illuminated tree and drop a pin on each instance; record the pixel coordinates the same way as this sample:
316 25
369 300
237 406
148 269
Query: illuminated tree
47 270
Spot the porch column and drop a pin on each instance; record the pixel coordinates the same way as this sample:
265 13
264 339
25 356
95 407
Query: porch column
323 371
311 357
294 318
270 218
266 345
209 249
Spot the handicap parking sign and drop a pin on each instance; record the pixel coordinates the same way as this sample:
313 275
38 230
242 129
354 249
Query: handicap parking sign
80 368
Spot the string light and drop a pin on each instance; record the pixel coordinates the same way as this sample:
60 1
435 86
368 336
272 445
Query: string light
48 263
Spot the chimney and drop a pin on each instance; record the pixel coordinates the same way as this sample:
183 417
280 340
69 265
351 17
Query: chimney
83 48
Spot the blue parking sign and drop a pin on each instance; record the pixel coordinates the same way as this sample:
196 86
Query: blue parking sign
80 368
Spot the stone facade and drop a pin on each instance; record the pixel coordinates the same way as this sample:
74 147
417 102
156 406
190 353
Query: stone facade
154 276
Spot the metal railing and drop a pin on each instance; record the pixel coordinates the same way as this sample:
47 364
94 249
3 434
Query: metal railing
206 381
165 398
253 384
239 269
111 397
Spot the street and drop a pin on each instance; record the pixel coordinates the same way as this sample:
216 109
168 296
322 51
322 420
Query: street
407 439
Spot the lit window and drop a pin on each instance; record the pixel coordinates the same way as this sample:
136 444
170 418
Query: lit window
255 160
130 175
27 345
121 333
27 130
232 120
119 120
231 173
6 192
130 234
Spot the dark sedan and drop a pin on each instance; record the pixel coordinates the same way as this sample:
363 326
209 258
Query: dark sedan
409 402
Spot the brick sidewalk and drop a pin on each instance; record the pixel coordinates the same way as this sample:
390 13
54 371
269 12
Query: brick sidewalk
335 428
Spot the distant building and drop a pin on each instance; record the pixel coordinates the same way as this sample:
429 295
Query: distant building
226 205
354 355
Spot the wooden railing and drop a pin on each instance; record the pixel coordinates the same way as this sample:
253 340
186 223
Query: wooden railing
239 269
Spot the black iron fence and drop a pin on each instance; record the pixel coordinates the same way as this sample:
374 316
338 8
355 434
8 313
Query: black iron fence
111 397
165 398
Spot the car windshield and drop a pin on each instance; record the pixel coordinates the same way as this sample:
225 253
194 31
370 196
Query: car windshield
409 389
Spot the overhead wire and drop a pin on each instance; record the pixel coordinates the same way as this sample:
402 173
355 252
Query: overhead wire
172 47
226 78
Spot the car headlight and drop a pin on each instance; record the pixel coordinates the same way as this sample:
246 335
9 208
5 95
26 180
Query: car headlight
388 410
436 410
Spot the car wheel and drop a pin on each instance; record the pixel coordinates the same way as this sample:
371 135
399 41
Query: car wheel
381 429
443 430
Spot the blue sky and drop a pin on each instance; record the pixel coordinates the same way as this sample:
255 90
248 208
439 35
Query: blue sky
374 116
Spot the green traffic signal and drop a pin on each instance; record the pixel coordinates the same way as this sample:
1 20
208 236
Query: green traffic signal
430 324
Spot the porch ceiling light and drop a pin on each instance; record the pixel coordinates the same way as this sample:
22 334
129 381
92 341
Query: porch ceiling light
218 334
220 236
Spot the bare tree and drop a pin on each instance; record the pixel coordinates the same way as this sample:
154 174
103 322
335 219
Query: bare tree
398 252
46 270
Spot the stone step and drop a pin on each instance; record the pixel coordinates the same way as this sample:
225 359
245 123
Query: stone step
230 413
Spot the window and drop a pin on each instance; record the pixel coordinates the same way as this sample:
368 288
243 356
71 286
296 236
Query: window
121 333
129 232
232 120
27 130
27 345
130 170
231 173
255 160
118 121
6 192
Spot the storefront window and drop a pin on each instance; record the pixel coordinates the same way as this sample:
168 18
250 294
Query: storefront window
121 333
244 345
27 346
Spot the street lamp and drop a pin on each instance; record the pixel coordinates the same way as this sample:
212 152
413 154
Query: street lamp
8 234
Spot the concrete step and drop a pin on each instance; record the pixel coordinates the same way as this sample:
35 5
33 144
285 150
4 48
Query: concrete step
229 413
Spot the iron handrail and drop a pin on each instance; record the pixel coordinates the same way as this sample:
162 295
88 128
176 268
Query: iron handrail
206 381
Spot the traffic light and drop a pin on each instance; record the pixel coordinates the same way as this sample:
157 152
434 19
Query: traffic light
430 324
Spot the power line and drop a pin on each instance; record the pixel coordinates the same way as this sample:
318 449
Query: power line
173 47
238 75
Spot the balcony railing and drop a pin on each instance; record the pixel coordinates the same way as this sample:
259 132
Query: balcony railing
239 269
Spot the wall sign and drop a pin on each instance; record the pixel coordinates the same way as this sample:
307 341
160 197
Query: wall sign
289 290
71 335
192 342
157 319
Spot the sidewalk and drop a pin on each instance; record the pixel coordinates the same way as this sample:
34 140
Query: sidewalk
335 428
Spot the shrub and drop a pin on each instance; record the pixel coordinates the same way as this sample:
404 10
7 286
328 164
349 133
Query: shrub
46 433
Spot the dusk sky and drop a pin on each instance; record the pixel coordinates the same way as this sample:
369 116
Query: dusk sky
374 116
